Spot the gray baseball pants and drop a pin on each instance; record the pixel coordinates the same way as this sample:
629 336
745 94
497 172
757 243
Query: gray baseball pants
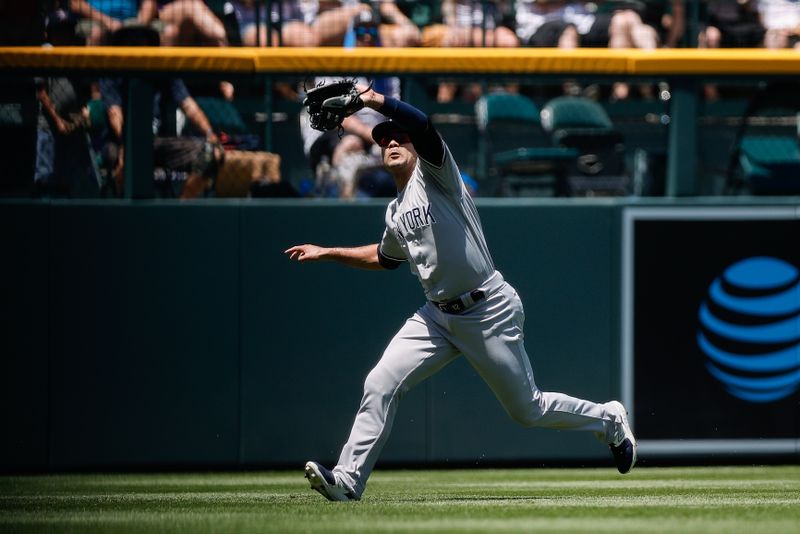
489 335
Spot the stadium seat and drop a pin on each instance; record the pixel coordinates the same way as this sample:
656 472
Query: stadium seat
583 125
767 164
514 148
770 164
222 114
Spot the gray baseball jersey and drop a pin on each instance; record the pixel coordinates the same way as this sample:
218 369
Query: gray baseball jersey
433 224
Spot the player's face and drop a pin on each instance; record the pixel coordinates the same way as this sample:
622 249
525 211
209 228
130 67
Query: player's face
398 152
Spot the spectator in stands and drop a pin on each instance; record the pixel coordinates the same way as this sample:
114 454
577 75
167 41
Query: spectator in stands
62 150
190 22
349 163
296 19
335 18
102 17
730 24
396 29
199 158
463 26
570 24
616 27
321 23
350 166
546 23
667 17
63 155
180 22
620 28
781 18
656 23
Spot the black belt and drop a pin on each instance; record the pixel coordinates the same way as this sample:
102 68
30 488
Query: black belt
458 305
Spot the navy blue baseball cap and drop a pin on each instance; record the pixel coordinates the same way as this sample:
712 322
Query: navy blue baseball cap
385 129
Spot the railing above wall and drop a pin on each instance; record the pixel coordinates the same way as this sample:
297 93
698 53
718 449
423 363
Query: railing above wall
508 61
683 69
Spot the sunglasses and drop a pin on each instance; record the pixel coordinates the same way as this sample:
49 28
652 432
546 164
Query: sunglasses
401 137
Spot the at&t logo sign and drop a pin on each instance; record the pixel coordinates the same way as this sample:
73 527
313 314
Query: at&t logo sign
750 329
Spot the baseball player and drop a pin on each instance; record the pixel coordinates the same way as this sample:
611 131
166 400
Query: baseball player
471 310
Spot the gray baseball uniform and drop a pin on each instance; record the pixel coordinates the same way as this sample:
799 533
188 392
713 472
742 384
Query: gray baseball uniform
434 225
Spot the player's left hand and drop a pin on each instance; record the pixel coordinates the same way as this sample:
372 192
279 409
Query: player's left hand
304 253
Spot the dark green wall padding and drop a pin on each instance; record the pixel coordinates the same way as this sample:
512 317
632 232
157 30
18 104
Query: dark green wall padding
153 334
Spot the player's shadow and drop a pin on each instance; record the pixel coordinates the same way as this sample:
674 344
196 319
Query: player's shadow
473 498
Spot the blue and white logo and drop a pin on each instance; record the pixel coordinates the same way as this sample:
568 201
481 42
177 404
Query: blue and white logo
750 329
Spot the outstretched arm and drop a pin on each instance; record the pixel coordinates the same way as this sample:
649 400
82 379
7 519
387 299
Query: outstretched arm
365 257
424 136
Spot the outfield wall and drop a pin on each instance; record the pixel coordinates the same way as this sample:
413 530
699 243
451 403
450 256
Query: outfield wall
161 334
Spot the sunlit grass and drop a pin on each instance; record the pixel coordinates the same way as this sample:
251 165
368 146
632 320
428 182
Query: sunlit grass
711 499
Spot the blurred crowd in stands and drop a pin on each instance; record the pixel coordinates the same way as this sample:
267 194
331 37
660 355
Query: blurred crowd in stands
502 23
190 154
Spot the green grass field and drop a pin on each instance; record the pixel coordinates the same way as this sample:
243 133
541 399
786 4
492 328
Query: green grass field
705 499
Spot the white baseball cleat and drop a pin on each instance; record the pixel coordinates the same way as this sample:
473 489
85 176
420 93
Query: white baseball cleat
325 482
625 450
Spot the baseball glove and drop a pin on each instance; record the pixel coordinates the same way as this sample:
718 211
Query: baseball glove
329 104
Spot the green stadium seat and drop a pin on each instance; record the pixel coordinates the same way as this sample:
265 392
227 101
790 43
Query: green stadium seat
767 164
514 148
770 164
566 112
223 114
582 125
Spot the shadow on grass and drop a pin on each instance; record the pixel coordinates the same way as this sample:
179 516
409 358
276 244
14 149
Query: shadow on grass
464 498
